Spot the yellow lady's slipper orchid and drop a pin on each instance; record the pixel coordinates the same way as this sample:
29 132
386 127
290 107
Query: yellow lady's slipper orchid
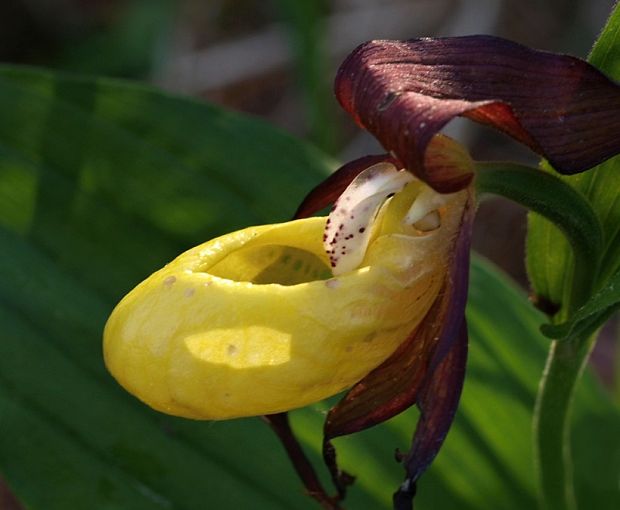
275 317
254 322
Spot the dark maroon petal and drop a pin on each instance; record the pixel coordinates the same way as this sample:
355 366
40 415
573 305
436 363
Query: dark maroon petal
390 388
438 401
404 92
328 191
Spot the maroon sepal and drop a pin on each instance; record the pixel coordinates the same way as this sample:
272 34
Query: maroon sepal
438 401
404 92
328 191
401 380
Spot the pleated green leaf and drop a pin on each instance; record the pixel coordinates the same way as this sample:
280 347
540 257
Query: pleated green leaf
102 182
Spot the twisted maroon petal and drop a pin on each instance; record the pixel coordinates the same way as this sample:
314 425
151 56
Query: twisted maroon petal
415 370
404 92
438 400
328 191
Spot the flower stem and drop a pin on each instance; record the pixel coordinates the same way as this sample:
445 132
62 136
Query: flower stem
565 363
279 423
558 202
573 215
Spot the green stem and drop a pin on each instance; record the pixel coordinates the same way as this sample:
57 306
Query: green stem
565 364
568 210
559 203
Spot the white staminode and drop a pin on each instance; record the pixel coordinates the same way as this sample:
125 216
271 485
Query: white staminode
349 225
423 210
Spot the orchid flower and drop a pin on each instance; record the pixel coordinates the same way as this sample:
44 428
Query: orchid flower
256 323
372 298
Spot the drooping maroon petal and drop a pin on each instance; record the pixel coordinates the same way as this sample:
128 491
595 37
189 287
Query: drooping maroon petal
390 388
438 401
328 191
404 92
397 383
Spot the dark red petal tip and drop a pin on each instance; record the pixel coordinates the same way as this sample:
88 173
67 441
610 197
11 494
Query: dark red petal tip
438 401
404 92
328 191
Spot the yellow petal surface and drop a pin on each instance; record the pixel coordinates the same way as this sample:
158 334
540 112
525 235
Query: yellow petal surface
253 322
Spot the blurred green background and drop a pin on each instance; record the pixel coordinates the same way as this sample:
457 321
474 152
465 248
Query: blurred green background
277 59
87 213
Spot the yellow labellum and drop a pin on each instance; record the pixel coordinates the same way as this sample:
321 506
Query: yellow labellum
254 323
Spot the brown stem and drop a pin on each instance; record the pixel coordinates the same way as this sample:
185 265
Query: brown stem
280 425
341 479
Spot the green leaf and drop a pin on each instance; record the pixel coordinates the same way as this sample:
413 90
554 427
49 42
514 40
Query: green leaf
587 319
549 260
78 149
102 182
604 53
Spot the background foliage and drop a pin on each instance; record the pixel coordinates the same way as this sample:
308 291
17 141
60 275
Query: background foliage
102 182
